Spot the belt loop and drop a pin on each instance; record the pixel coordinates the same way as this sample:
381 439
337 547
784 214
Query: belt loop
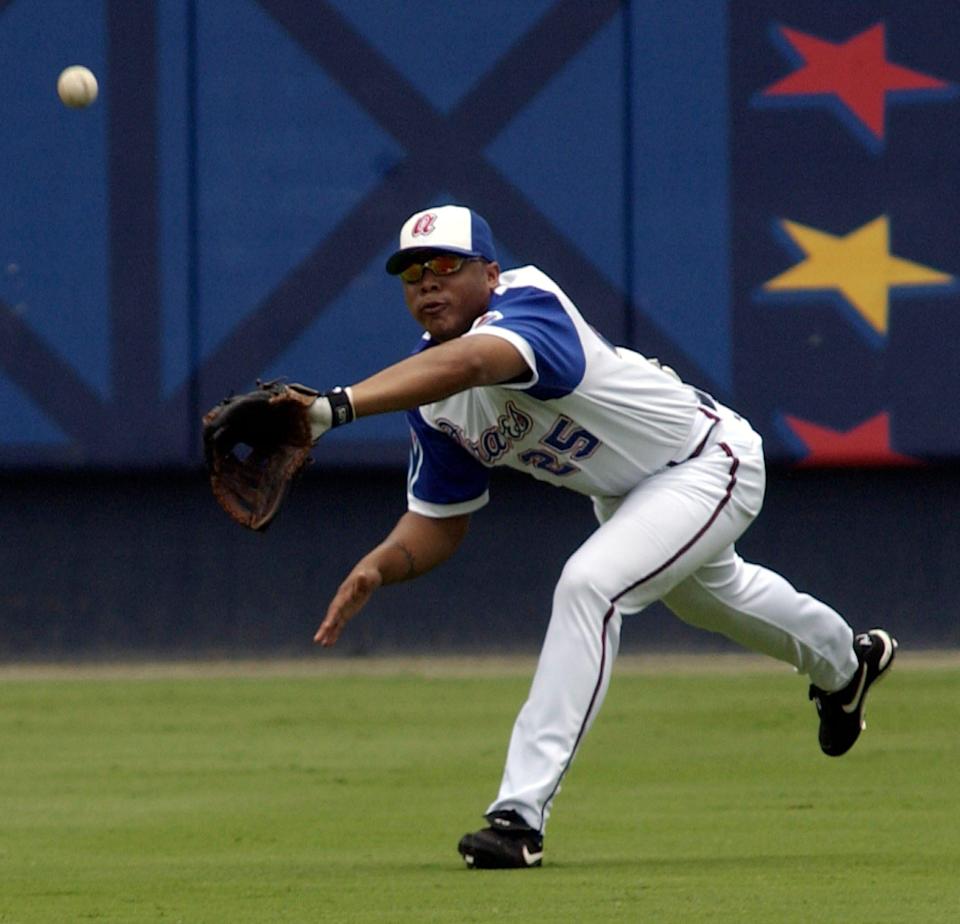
705 399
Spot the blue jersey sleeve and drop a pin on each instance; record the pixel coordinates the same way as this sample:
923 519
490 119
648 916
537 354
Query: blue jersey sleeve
539 318
443 479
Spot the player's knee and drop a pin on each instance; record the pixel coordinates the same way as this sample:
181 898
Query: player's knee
580 578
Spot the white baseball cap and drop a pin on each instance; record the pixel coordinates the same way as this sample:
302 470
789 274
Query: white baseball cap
447 228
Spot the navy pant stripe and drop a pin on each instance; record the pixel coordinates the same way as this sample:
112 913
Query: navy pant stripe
728 492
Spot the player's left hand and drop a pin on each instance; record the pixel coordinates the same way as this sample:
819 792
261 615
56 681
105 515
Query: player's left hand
274 423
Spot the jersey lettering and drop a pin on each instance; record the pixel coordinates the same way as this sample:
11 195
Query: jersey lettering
568 437
494 442
543 459
565 438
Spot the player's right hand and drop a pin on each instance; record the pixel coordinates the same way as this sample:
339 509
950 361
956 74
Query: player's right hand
351 597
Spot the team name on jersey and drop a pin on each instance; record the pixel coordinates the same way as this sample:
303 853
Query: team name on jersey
494 442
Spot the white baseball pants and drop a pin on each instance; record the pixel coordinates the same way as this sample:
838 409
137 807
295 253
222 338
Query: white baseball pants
671 539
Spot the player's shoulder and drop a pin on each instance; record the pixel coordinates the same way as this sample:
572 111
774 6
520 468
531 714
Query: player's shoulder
528 288
525 277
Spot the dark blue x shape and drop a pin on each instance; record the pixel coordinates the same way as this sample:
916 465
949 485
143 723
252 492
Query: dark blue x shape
443 153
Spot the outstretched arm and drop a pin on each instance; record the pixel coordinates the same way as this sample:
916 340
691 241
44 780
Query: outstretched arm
415 545
437 373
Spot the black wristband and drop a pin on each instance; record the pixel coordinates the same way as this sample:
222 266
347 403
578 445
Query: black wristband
340 406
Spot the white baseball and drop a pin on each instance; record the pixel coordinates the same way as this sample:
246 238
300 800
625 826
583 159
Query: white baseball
77 87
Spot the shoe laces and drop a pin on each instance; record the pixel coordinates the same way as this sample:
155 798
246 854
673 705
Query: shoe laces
508 820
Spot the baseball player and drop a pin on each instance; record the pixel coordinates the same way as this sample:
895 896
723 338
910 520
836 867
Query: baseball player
508 372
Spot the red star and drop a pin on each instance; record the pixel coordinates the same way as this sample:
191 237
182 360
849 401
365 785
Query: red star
857 72
866 444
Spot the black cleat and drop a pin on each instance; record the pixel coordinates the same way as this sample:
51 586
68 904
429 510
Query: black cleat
509 843
841 713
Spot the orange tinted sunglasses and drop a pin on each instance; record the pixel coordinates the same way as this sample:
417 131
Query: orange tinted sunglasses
444 264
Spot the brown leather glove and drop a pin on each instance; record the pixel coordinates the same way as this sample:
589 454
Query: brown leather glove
272 423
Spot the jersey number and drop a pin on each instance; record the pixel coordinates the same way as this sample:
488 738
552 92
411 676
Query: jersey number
564 439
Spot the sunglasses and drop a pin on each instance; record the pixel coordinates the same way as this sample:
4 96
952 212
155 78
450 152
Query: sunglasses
444 264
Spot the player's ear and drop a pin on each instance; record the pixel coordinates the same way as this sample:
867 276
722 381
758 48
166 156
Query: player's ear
492 271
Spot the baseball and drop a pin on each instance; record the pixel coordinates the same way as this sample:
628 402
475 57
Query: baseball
77 87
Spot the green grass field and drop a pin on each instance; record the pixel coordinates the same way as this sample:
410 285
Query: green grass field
326 793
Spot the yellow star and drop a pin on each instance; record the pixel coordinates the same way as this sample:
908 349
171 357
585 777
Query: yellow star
858 265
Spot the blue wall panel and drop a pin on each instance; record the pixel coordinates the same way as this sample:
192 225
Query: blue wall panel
680 250
53 236
851 361
223 211
194 585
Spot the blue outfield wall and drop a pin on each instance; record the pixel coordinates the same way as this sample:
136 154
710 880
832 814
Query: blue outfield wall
763 193
112 565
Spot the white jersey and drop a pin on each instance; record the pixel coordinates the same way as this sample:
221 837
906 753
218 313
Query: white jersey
675 478
589 416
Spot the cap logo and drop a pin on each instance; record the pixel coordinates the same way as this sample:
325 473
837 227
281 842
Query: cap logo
424 225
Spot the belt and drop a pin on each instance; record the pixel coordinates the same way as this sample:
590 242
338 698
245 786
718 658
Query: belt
710 411
705 399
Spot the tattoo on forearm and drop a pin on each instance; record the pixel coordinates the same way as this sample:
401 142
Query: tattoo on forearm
411 561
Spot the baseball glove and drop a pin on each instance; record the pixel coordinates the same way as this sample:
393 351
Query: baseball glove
272 423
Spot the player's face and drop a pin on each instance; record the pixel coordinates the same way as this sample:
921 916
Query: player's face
446 306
